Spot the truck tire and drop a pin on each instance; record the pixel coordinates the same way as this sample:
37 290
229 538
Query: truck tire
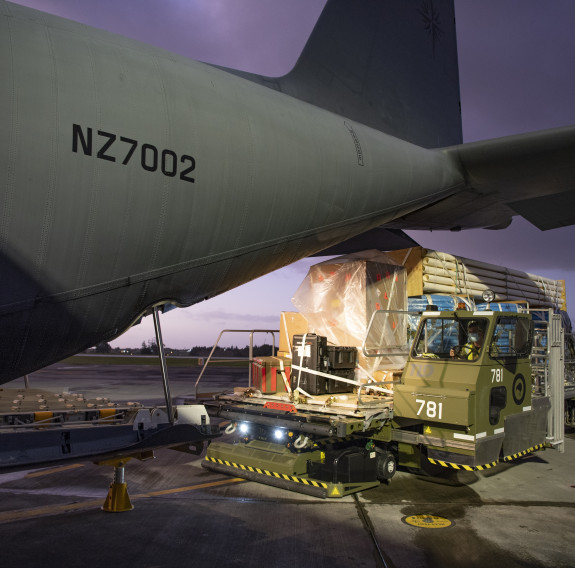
386 465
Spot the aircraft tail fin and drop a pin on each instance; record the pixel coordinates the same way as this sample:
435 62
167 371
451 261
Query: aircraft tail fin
389 64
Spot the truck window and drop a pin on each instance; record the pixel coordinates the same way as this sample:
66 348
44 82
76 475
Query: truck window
512 338
450 338
436 337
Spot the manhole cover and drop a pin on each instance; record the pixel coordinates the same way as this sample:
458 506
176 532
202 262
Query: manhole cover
427 521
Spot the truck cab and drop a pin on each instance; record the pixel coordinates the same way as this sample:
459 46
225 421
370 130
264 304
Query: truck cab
466 388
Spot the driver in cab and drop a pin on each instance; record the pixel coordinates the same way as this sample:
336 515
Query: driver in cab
471 350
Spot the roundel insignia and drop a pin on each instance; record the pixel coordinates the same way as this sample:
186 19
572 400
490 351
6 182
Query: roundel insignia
427 521
519 389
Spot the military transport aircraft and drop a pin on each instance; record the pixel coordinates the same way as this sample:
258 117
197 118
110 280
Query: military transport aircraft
131 177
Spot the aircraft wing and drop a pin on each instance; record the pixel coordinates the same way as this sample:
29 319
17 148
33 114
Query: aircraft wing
532 175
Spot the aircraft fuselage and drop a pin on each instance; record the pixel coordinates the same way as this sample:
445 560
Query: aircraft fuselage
130 176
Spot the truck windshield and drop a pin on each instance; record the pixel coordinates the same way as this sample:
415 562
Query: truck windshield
512 338
450 338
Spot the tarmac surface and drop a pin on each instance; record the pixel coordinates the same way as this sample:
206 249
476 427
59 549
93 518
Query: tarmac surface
520 514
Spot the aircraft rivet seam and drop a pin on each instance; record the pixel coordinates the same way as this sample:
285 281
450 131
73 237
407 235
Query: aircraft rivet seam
269 473
523 453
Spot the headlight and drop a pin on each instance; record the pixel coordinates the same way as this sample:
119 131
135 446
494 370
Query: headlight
488 296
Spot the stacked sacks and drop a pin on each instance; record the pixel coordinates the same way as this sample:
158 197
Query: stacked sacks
432 272
445 273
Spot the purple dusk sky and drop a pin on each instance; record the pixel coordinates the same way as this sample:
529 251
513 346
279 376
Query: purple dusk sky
516 60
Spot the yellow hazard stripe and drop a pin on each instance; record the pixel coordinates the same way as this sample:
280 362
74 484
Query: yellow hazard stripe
524 452
318 484
488 465
461 466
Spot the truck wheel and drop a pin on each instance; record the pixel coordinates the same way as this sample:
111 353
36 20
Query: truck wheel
385 466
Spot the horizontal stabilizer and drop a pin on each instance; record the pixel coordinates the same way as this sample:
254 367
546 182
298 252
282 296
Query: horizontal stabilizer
549 211
532 175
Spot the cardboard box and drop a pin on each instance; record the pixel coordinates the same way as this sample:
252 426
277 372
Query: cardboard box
291 323
412 260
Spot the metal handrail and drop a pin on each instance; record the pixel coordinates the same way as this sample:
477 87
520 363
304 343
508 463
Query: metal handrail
250 354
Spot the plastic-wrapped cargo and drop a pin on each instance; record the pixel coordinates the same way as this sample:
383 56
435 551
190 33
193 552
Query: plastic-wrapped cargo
339 296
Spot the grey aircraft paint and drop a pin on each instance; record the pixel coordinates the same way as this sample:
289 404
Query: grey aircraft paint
131 177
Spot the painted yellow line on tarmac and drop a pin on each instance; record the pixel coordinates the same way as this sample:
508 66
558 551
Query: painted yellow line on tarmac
24 514
189 488
9 516
54 470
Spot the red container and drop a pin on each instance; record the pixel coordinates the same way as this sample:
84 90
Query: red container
267 374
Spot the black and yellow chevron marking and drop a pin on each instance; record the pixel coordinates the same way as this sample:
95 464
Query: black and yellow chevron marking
251 469
463 467
488 465
524 452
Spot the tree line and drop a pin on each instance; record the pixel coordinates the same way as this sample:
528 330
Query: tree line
150 347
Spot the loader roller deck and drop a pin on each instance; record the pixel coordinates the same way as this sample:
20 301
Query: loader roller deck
324 418
348 404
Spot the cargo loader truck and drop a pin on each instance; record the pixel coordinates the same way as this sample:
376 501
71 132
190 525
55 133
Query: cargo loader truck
467 398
